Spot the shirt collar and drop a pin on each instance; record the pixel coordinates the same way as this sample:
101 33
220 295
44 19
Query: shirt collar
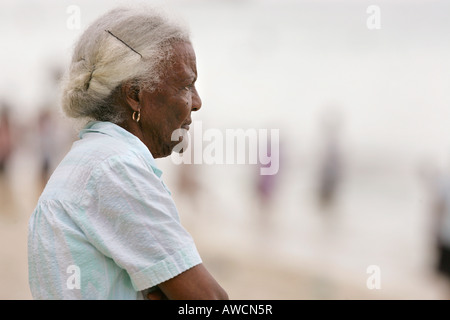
116 131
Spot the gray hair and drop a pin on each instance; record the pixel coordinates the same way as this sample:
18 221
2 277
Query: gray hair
125 44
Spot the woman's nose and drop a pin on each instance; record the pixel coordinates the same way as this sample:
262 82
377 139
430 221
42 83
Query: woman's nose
196 100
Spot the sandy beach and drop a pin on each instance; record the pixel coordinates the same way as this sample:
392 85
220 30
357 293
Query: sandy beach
276 259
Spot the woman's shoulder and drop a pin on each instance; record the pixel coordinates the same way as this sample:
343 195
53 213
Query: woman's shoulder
98 147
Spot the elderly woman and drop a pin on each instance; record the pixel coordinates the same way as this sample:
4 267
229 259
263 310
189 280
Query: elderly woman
105 226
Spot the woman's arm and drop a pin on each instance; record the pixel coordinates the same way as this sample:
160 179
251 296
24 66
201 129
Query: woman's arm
193 284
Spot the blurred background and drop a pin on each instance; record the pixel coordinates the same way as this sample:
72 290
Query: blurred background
360 96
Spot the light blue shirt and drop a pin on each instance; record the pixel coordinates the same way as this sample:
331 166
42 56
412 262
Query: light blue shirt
106 226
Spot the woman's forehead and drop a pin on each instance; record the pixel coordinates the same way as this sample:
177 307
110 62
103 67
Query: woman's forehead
183 61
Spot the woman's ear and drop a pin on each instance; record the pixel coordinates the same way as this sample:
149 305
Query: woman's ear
130 92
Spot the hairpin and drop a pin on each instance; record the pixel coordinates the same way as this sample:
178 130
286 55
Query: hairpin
123 42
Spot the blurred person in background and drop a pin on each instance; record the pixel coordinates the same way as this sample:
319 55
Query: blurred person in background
48 143
53 135
6 143
267 184
106 226
6 150
441 226
437 186
189 184
330 170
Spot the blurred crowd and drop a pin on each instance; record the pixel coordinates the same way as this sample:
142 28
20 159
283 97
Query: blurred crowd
47 136
42 138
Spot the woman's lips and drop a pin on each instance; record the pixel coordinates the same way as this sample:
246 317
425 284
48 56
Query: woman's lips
186 126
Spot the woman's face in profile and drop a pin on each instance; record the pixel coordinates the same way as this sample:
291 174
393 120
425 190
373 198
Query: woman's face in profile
169 107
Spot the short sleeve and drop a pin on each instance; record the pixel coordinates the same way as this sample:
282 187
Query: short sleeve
133 220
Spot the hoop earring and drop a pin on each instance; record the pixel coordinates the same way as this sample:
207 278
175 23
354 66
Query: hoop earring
136 115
